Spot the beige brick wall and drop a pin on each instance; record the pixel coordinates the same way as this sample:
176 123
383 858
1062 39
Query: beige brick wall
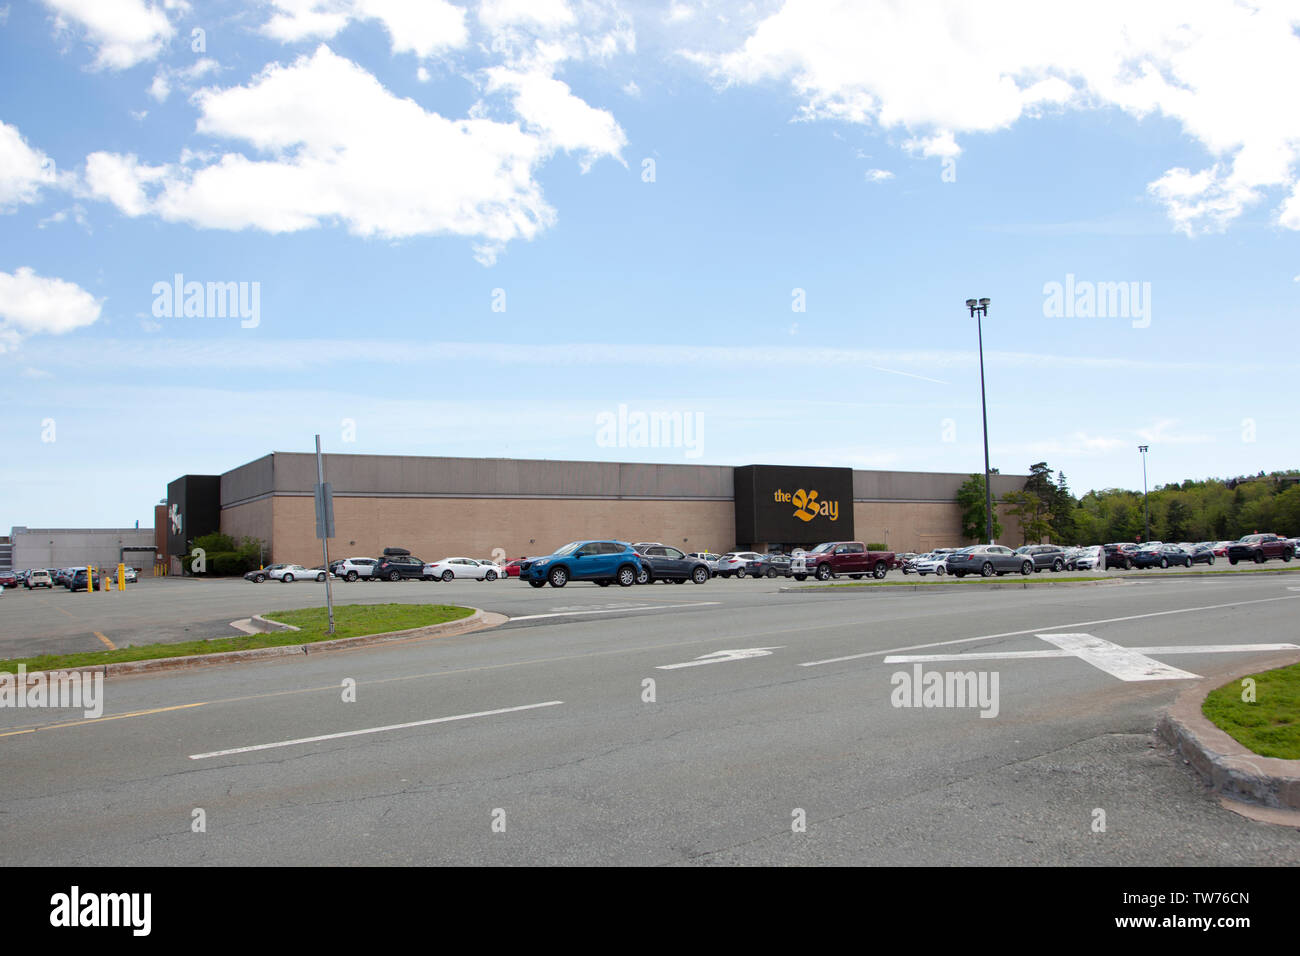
921 526
433 528
253 520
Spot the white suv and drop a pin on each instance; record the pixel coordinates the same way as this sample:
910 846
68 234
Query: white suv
735 563
38 579
354 568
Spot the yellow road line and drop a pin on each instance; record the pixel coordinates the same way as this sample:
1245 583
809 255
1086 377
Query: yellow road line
107 643
100 720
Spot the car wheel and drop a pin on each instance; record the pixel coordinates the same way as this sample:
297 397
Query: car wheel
558 577
394 576
643 576
538 584
1164 562
1187 563
1027 568
959 574
700 575
1232 560
987 570
1211 561
287 579
771 572
823 572
801 577
1128 564
448 575
351 575
490 576
880 570
259 578
740 572
1057 566
1259 557
604 583
319 578
626 576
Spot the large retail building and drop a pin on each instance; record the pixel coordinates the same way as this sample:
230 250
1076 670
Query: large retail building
486 507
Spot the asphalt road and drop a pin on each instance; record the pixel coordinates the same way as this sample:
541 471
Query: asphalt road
716 770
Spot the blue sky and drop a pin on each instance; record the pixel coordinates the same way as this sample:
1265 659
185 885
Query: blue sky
380 169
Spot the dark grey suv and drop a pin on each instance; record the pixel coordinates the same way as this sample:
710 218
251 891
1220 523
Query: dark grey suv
1045 556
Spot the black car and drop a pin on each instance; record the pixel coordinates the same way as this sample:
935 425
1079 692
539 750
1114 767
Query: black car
1161 556
770 566
260 575
661 562
398 567
987 560
1045 556
78 581
1203 554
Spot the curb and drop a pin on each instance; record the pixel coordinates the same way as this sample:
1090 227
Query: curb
990 586
478 620
1223 763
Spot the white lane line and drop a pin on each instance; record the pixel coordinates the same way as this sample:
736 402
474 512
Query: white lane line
371 730
1122 662
1126 663
1035 630
616 610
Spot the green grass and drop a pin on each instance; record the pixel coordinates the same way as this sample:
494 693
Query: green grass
1271 725
350 620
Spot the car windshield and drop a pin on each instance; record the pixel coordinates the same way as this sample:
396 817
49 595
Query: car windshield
569 548
822 548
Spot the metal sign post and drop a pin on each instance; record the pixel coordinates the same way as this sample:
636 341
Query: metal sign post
325 527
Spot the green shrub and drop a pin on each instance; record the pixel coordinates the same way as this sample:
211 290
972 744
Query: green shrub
875 546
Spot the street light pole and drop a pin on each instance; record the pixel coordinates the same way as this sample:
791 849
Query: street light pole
1146 514
978 311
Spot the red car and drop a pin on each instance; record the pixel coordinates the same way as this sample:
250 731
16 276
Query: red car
8 579
512 569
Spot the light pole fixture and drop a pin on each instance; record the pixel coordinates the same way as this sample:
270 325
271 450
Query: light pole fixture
1146 514
979 311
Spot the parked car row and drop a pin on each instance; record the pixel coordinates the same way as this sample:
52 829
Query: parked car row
32 578
397 564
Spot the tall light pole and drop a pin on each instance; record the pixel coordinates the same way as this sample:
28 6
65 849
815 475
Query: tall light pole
978 311
1146 515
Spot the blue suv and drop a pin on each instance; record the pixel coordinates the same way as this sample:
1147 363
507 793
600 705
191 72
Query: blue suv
601 561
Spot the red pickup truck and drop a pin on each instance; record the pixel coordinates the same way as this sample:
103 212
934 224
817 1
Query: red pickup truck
1260 548
842 557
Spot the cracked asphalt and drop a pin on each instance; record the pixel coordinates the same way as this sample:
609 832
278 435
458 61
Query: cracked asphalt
718 769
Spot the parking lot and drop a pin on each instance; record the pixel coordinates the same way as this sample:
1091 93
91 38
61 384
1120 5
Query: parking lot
166 610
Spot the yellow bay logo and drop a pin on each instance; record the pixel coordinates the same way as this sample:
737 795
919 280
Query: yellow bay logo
807 505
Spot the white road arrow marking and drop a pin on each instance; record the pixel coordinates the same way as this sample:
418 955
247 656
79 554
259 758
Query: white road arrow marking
717 657
1126 663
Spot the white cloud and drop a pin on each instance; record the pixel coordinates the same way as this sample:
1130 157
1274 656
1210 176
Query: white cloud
125 32
631 89
565 121
423 28
547 14
32 305
337 146
938 69
161 87
23 170
879 175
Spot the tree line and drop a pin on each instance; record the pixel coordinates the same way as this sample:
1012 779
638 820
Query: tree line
1210 509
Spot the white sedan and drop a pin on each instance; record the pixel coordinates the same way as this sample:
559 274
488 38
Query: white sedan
449 569
936 564
296 572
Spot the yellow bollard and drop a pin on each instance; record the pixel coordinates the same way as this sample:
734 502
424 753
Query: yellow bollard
121 577
90 579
